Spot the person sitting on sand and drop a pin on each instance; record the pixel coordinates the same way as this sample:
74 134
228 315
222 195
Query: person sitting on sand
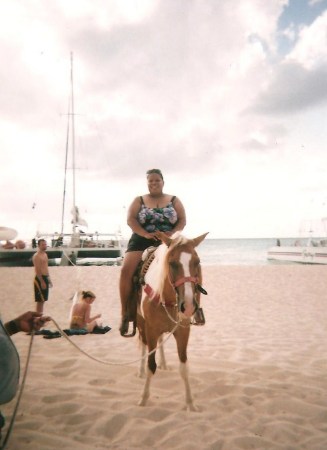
81 313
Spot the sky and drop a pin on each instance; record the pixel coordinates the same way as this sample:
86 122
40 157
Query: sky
228 98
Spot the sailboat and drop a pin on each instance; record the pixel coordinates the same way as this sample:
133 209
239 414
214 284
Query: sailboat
70 248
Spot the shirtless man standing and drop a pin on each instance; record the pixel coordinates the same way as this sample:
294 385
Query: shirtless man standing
42 281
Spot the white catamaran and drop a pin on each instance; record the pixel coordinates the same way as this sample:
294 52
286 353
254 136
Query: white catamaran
69 247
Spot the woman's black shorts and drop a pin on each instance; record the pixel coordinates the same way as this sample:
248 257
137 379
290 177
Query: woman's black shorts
139 243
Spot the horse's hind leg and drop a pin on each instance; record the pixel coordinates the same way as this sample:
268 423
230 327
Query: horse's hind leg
146 389
152 366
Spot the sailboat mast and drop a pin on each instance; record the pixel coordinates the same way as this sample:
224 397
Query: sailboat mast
65 177
73 137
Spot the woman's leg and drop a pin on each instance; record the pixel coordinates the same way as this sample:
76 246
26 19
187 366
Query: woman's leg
90 326
131 261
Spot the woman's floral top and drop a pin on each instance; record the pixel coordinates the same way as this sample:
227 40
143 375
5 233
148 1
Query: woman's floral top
162 219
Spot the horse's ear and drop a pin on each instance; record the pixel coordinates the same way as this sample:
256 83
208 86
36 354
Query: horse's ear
164 238
199 239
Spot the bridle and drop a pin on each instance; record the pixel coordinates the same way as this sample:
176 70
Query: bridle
175 284
184 280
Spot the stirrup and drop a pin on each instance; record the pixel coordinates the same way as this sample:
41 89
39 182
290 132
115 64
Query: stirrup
198 318
124 327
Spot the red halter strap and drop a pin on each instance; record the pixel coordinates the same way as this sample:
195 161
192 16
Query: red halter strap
150 292
184 280
156 297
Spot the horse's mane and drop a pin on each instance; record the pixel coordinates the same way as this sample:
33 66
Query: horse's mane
159 265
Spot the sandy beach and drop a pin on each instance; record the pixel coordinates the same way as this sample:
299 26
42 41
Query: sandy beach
257 368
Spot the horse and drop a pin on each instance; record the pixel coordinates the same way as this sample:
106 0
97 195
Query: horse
169 297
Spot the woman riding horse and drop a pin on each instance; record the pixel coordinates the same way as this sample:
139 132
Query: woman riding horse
147 215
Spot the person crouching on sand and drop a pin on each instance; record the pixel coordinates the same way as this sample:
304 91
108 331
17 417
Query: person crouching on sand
81 313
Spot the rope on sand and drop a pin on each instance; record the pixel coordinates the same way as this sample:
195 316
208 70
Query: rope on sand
110 363
4 444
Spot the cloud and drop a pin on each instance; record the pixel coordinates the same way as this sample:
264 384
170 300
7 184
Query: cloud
164 84
293 89
299 82
311 47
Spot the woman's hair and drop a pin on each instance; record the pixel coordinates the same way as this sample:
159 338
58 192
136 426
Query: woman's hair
86 294
157 171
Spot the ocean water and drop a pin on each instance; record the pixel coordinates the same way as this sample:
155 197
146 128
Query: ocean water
227 252
211 252
235 251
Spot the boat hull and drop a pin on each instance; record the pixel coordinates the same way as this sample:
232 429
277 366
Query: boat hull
7 234
23 257
303 255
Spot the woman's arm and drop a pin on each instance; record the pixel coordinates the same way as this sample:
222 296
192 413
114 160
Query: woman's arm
95 317
87 314
181 216
179 207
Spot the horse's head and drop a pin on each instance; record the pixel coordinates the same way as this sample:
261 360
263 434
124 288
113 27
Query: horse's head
184 271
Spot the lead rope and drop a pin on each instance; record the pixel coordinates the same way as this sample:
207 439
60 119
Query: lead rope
109 363
6 439
178 323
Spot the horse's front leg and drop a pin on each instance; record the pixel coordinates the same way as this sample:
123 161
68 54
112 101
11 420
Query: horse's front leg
162 365
152 366
181 337
141 372
183 370
143 342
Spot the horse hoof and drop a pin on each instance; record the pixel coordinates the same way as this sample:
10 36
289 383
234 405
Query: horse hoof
192 407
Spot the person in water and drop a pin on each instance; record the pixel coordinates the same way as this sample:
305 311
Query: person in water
147 215
81 313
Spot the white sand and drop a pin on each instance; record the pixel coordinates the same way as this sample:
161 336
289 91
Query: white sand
258 368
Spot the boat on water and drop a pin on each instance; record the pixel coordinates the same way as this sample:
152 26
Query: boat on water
69 248
312 252
311 249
